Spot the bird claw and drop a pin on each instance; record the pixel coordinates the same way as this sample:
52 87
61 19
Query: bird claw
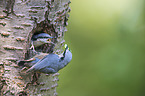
33 48
23 69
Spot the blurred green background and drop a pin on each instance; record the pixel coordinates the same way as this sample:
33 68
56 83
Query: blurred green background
107 39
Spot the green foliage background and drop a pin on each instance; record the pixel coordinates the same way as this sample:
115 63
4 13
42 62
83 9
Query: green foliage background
107 39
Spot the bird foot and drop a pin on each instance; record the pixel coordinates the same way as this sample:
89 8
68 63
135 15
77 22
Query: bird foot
23 69
33 48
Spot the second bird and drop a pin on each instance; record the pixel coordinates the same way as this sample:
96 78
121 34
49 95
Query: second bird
40 39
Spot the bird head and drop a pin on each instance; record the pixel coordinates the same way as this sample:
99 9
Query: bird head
40 39
67 49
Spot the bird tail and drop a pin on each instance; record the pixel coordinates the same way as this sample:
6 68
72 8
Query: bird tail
25 63
21 63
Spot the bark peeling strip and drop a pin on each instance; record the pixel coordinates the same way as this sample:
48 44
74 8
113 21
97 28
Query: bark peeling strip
20 15
12 59
55 85
3 23
26 24
5 34
2 16
7 47
18 27
55 79
45 89
20 39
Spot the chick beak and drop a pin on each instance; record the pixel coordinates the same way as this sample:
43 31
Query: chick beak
50 41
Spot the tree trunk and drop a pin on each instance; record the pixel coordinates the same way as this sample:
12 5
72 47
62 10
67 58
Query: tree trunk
19 20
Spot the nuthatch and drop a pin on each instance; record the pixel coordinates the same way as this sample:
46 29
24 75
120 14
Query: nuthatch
52 63
40 39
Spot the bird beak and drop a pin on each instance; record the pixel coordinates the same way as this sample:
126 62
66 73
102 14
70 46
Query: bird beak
49 40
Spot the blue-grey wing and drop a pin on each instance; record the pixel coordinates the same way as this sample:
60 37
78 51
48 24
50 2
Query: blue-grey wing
48 70
46 62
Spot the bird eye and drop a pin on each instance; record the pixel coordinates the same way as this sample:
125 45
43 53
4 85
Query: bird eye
49 39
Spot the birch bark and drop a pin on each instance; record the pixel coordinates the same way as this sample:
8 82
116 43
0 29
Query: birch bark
19 20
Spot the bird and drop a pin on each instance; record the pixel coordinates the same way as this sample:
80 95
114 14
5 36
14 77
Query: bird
52 63
40 39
